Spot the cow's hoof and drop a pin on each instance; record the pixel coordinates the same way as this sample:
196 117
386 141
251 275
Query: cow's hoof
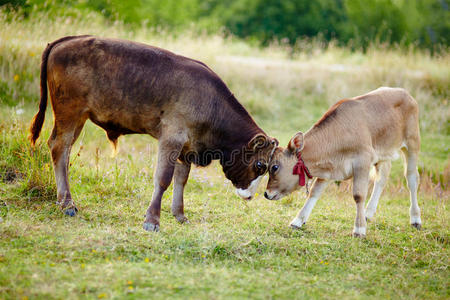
71 211
151 227
182 219
418 226
359 235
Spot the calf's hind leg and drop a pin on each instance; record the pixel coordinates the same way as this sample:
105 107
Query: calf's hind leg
63 136
412 179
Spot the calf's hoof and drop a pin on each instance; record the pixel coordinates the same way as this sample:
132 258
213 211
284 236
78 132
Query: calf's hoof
151 227
369 215
418 226
182 219
297 223
295 226
359 232
71 211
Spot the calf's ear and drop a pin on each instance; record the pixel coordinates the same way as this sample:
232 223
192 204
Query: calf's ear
258 141
296 144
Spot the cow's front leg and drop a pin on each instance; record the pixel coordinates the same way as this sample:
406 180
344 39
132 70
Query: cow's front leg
180 178
316 190
168 153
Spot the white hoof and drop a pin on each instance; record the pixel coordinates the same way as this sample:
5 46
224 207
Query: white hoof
359 232
297 223
369 214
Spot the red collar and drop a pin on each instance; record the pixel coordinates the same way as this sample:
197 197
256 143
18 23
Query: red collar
300 169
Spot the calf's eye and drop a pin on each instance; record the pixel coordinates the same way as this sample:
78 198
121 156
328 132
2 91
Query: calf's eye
274 169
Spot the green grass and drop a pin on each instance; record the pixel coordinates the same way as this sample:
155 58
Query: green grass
230 248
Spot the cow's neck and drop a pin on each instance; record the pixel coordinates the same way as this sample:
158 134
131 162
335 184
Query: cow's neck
238 129
236 125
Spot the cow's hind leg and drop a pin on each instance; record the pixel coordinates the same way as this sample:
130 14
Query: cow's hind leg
169 150
63 136
383 170
181 175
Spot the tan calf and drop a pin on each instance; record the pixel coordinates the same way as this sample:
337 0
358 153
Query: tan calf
353 135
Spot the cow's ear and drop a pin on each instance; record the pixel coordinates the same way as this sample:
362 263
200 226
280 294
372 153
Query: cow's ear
258 141
296 144
274 142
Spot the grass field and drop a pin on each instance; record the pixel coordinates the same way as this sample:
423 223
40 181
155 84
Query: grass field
230 248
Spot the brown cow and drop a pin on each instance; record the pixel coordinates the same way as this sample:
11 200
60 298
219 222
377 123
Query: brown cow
126 87
353 135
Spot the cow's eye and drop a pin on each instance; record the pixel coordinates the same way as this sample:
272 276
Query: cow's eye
260 166
274 169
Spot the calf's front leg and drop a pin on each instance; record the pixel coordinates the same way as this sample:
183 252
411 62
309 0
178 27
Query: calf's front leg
168 153
383 169
316 190
360 186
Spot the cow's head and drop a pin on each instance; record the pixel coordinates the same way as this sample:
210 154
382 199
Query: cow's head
282 181
246 167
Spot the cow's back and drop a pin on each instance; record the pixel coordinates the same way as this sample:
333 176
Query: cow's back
133 85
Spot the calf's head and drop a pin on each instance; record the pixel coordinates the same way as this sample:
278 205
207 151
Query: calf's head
282 181
246 167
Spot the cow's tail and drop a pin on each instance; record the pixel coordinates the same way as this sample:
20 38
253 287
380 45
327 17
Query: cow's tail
38 120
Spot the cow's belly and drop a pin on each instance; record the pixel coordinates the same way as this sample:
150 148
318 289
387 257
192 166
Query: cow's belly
125 121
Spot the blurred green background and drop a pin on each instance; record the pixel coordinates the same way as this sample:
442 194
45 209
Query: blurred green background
354 23
287 62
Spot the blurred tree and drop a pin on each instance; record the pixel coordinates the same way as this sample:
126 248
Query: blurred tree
423 22
269 19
